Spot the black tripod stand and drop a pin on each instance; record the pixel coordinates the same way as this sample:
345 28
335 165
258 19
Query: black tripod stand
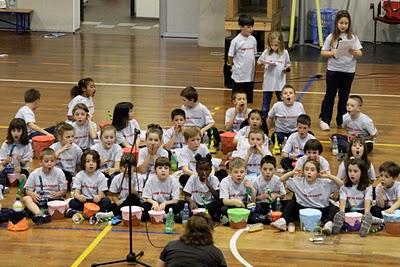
132 257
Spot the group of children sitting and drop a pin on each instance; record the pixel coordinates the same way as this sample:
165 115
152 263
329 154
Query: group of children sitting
94 166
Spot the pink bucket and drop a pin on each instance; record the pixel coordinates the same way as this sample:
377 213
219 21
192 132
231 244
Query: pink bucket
353 221
136 215
56 208
156 216
13 177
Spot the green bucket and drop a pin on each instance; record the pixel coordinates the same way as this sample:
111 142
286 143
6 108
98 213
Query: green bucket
238 217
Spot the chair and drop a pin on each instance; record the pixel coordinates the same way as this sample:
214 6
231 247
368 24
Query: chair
381 19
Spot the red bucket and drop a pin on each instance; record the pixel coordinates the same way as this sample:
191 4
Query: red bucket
227 142
41 142
104 124
135 151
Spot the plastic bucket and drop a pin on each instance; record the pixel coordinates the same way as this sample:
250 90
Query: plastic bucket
90 209
392 222
275 215
227 142
13 178
56 208
156 216
309 218
352 221
238 218
41 142
104 124
136 215
127 150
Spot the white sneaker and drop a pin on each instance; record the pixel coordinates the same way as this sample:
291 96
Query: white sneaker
376 220
324 126
279 224
327 229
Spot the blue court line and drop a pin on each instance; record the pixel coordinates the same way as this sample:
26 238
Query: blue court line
308 85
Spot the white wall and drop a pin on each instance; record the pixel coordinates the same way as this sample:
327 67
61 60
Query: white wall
147 8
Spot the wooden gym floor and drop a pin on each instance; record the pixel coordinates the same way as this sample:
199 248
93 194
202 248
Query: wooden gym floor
150 72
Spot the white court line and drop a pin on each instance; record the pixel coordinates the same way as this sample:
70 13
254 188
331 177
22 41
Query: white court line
175 87
235 252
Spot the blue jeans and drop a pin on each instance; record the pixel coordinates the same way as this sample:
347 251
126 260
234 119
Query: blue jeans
267 97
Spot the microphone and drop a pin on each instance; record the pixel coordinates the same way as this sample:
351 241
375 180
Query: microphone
136 131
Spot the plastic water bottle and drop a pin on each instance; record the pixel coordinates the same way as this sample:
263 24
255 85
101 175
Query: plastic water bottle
185 214
169 222
17 205
12 4
278 204
335 146
174 162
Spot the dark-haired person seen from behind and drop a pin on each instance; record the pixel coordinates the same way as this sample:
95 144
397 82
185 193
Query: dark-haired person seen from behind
241 57
195 247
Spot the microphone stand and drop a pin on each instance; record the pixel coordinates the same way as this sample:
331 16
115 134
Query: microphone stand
132 257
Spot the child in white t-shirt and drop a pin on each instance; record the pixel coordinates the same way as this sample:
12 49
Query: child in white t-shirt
82 93
127 127
254 121
234 116
284 114
173 137
85 128
313 149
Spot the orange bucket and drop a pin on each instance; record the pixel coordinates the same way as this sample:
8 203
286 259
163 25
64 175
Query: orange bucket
275 215
90 209
135 151
41 142
227 142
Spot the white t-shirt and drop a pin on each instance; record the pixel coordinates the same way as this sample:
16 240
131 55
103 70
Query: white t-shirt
324 164
354 197
28 115
69 159
342 171
143 152
161 191
179 141
228 189
199 190
23 151
342 64
242 138
314 195
128 133
274 76
286 116
199 115
243 50
253 164
111 155
240 117
361 126
295 144
186 156
123 190
274 185
53 181
90 185
82 135
88 101
391 194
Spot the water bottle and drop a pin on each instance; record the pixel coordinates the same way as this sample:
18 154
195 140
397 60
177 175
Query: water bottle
17 205
284 142
12 4
174 162
185 214
42 203
169 222
335 146
278 204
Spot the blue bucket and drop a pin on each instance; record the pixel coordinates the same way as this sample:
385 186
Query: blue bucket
309 218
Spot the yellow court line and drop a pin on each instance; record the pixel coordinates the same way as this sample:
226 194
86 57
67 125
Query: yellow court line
92 246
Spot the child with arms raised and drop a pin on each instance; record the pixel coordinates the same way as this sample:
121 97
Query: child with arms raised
125 124
85 128
82 93
234 116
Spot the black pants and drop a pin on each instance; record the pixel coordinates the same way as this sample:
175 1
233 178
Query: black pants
132 200
291 211
343 143
377 211
104 204
68 177
176 209
214 209
280 136
336 82
287 164
247 87
267 97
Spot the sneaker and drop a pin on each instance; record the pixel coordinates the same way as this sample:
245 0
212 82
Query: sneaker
70 212
104 215
376 220
365 224
327 229
280 224
338 221
46 218
37 219
324 126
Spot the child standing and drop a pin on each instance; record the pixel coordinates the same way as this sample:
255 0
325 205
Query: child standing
234 116
311 190
340 70
44 184
294 147
85 128
268 187
15 150
68 153
82 93
388 191
241 57
173 137
161 191
89 185
202 188
355 195
125 124
276 63
313 150
27 113
284 113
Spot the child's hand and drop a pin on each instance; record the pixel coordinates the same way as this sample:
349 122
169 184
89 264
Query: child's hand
238 203
35 196
177 129
81 198
272 63
110 171
55 194
66 147
96 199
7 160
390 210
333 52
162 206
152 149
263 196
